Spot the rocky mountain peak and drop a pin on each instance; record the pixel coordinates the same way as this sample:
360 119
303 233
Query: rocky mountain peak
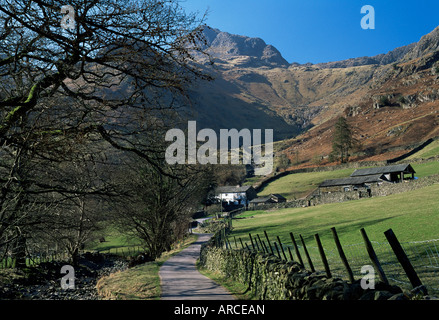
226 46
427 44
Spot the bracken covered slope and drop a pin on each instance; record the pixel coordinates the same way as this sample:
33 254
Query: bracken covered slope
391 99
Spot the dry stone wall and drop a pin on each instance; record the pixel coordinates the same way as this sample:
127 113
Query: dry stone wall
394 188
270 278
384 189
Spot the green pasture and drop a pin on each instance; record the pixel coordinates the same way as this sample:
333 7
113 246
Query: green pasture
298 185
426 169
429 151
115 242
412 216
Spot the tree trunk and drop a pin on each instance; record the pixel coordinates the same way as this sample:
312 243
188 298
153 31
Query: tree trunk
19 252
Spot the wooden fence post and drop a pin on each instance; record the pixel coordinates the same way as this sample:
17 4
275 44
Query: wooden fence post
307 254
342 255
260 243
223 238
373 257
403 259
251 240
265 247
242 245
277 249
323 256
297 249
268 240
291 255
282 248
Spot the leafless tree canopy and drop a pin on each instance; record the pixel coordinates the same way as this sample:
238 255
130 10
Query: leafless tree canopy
73 100
159 207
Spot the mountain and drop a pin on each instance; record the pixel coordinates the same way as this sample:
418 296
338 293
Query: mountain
226 46
381 59
426 45
390 99
227 102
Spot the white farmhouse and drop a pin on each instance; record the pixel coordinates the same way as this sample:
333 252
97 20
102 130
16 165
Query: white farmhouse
236 194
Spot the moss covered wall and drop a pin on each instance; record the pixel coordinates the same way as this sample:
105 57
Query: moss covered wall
271 278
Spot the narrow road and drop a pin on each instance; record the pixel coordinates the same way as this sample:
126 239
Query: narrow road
181 280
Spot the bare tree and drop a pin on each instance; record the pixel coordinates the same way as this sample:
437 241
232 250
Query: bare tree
123 61
159 207
118 75
77 212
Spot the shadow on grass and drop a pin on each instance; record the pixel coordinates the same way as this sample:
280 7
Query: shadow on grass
324 229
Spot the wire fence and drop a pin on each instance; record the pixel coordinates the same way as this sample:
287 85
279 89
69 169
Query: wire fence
422 256
35 258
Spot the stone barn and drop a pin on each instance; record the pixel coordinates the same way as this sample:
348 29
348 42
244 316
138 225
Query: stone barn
272 198
351 183
365 179
393 173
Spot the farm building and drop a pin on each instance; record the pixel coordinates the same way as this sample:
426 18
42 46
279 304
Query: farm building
351 183
277 198
364 179
236 194
393 173
272 198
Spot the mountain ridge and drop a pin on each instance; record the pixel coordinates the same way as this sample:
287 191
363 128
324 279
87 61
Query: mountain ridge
255 87
224 45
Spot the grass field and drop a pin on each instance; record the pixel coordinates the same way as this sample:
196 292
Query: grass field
298 185
115 242
413 216
426 169
429 151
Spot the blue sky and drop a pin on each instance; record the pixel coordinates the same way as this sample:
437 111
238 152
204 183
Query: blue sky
322 30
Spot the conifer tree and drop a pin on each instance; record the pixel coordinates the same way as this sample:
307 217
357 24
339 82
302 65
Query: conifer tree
342 140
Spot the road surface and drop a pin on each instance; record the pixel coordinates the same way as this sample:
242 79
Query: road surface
181 280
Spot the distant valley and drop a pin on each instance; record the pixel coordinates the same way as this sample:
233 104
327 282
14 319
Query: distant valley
389 99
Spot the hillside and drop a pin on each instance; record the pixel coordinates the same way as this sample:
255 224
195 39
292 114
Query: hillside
390 99
299 185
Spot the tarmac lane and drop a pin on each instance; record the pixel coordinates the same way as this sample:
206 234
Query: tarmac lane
180 279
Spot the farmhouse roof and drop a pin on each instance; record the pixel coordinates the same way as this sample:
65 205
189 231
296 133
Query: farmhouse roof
261 200
397 168
269 199
352 181
279 196
232 189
